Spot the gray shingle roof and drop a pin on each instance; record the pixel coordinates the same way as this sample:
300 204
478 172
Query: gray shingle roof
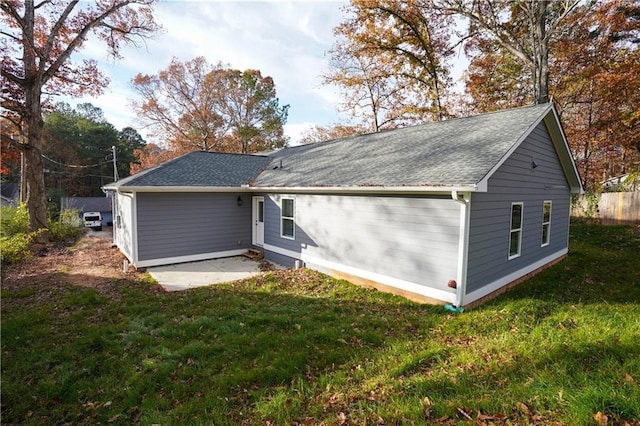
447 153
200 169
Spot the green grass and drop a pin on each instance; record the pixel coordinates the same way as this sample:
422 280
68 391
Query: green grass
301 347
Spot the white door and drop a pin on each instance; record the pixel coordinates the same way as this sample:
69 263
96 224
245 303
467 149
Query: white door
258 221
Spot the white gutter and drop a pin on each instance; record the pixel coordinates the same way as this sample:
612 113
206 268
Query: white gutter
464 198
177 189
299 189
366 189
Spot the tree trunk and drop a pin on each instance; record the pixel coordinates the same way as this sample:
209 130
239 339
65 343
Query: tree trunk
540 53
34 168
34 127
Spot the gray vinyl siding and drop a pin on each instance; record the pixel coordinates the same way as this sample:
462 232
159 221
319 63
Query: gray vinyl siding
516 181
184 224
414 239
280 259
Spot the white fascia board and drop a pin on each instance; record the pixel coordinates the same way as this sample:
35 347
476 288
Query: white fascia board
365 189
484 183
564 152
233 189
304 189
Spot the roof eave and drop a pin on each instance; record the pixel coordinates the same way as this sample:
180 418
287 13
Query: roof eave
236 189
426 189
422 189
559 140
554 126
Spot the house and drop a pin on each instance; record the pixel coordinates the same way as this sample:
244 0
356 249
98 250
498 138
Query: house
626 182
447 212
89 204
9 194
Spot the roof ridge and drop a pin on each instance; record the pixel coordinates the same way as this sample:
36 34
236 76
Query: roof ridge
244 154
429 123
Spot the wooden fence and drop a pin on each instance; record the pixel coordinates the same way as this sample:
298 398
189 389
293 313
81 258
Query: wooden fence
609 207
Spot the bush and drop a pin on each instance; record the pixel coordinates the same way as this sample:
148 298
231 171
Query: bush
60 232
15 241
71 217
14 220
16 247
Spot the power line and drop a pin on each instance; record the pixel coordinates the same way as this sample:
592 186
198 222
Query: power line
74 166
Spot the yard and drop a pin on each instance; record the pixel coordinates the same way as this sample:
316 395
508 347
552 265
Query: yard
84 343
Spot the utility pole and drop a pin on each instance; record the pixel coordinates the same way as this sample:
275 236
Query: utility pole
115 167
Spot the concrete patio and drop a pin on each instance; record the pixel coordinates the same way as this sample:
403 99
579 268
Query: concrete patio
184 276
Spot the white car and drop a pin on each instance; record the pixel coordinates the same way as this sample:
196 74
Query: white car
92 220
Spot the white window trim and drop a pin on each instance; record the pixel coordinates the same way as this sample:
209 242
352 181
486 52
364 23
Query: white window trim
519 230
293 218
546 223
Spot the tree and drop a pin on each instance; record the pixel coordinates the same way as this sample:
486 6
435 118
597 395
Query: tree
594 65
149 156
248 105
390 59
495 79
38 41
196 106
523 28
597 89
335 131
78 150
9 154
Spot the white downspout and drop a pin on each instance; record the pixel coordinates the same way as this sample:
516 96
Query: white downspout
134 227
464 198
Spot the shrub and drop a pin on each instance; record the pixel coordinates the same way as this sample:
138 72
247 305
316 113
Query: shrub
13 220
71 217
15 241
60 232
15 248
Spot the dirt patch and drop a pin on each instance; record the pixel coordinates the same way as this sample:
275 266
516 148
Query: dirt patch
91 262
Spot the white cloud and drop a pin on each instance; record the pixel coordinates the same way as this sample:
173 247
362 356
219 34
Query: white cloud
285 40
295 131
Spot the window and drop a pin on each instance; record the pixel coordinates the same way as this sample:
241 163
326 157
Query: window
546 222
515 234
287 225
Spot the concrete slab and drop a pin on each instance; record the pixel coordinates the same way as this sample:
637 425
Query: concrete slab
183 276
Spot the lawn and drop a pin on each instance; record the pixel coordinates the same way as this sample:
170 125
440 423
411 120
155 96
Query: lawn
297 347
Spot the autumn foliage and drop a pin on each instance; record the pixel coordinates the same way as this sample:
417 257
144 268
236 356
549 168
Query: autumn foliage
594 82
393 62
194 106
38 41
149 156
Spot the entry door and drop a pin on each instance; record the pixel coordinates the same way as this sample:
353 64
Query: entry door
258 221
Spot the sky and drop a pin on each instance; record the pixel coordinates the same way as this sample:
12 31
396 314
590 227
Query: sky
287 40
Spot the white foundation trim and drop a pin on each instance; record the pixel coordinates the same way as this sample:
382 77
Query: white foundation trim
373 276
190 258
497 284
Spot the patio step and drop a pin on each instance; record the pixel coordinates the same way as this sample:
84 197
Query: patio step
254 254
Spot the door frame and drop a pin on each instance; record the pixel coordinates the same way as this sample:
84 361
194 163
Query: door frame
257 232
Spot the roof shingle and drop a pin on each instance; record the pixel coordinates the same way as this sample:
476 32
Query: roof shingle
201 169
459 152
453 152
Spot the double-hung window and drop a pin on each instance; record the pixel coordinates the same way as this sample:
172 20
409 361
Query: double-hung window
546 223
287 218
515 232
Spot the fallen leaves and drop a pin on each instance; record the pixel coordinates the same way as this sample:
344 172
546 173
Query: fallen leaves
601 418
